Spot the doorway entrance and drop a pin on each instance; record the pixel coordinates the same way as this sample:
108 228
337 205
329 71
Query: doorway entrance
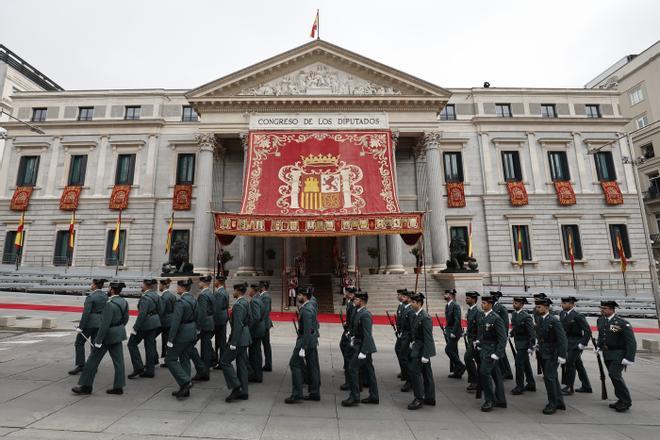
319 255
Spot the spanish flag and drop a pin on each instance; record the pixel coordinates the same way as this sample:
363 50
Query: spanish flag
520 247
72 230
315 25
571 252
170 228
622 253
115 242
470 240
18 241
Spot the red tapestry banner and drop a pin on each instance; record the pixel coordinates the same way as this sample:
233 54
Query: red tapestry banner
612 192
69 198
21 198
455 195
517 193
565 193
319 172
182 199
119 197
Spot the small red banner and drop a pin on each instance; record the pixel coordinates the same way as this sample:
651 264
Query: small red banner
119 197
565 193
517 193
21 198
69 198
181 201
455 195
612 192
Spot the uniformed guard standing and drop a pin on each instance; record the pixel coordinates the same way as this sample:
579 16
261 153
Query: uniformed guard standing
344 342
403 325
305 353
205 326
183 333
220 318
422 349
145 328
363 346
167 303
90 320
578 334
257 332
454 331
616 340
268 305
522 331
491 343
501 310
473 316
111 333
552 347
239 340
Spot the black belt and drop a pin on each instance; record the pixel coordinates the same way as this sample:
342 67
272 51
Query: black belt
187 322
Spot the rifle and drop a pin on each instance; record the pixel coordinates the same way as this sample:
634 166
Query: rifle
295 325
603 387
442 327
564 376
477 360
539 365
513 349
389 319
341 319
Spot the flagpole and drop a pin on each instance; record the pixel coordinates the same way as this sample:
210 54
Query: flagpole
625 287
574 281
524 277
19 254
318 25
118 232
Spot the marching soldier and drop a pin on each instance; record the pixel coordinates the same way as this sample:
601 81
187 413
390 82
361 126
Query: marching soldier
268 304
402 345
220 318
616 340
474 315
552 347
454 331
305 353
181 338
578 334
111 333
491 343
422 348
257 331
239 340
522 331
501 310
167 303
205 326
145 329
90 320
363 347
344 342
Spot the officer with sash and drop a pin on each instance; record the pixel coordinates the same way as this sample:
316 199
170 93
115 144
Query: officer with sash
220 318
145 329
578 334
552 348
422 349
181 338
524 338
90 320
268 305
239 341
491 343
166 310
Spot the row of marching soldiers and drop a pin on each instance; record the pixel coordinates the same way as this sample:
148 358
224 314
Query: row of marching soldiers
556 340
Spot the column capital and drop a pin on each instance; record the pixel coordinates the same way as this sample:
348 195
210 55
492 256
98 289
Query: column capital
395 139
431 139
206 141
244 139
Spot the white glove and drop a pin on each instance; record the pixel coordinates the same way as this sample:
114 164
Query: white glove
133 332
170 345
410 345
78 330
530 350
98 345
425 360
452 336
352 344
581 347
198 332
561 360
301 353
362 356
232 347
596 350
626 362
494 357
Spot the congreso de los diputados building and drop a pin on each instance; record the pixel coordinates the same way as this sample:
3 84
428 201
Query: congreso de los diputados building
320 162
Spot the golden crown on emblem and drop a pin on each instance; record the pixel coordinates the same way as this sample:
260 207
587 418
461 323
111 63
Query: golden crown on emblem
320 159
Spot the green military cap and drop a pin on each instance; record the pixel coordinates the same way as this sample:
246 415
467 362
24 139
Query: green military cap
99 282
205 278
472 294
265 284
569 299
543 302
165 281
150 282
184 283
417 296
520 299
117 285
450 291
609 304
540 295
489 299
496 294
363 295
242 287
351 289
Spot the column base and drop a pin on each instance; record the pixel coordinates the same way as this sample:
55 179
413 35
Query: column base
246 271
436 268
395 269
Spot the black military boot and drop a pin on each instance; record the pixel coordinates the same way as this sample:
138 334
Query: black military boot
82 389
117 391
415 404
76 370
234 395
135 373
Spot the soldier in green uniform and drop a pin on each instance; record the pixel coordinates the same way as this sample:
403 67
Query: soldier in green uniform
268 305
552 348
363 346
181 338
473 316
616 340
145 329
344 342
205 326
578 334
220 318
454 331
111 333
522 331
166 310
257 332
90 320
239 340
491 343
501 310
422 349
402 345
305 353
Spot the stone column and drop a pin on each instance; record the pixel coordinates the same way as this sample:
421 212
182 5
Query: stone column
246 244
436 217
382 253
51 184
203 225
350 253
394 247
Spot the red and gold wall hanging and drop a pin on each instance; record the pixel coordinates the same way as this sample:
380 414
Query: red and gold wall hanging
21 198
517 193
565 193
119 197
182 198
70 198
612 192
455 195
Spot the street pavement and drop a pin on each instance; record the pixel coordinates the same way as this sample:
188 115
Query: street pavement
36 401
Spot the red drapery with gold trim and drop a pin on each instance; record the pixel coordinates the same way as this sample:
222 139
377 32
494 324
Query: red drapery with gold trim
182 198
70 198
517 193
119 197
21 198
565 193
455 195
612 192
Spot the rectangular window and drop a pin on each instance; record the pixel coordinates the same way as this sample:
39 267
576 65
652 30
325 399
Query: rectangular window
647 151
180 238
125 169
62 253
132 112
558 166
571 233
10 253
110 255
503 110
511 166
28 168
620 231
189 114
605 166
453 166
636 96
185 169
85 113
77 170
548 111
592 110
459 232
39 114
526 242
642 121
448 113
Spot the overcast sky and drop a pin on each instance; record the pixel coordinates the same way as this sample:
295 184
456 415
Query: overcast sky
95 44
